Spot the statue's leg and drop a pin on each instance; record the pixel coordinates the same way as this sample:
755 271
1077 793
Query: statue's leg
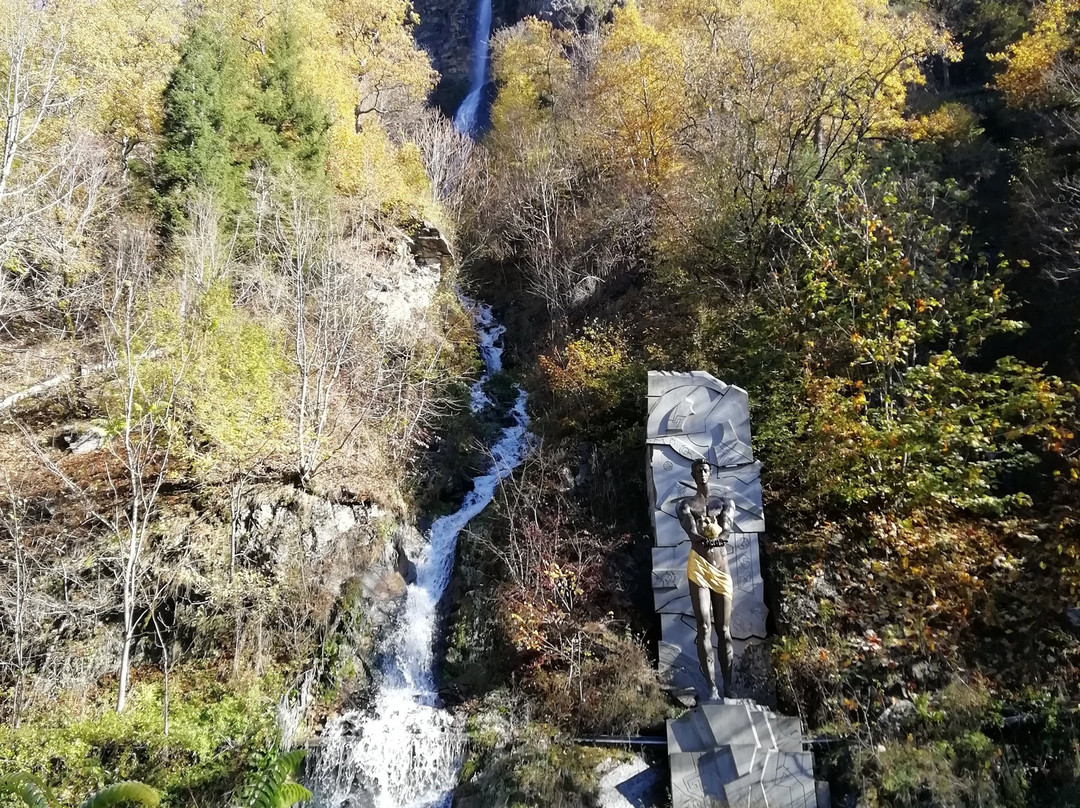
725 651
699 599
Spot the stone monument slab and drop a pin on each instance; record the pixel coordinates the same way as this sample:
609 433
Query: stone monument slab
727 752
785 781
671 482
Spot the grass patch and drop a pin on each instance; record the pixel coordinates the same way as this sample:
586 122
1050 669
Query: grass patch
219 728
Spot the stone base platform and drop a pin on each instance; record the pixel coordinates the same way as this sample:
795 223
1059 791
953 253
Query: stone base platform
737 754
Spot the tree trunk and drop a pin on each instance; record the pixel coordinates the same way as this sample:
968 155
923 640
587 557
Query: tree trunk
125 669
165 700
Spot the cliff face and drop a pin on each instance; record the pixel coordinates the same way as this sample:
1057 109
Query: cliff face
237 560
446 32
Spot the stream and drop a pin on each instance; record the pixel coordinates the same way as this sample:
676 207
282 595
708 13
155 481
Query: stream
405 750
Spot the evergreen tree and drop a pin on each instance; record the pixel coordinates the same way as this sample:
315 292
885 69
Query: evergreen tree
209 133
296 121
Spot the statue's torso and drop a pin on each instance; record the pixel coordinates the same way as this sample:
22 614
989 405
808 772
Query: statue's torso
695 508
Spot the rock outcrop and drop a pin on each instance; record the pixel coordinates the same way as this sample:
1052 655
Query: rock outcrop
403 279
353 546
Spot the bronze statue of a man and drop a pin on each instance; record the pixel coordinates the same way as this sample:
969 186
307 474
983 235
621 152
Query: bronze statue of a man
708 521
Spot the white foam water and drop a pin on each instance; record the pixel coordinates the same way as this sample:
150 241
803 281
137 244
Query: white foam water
405 751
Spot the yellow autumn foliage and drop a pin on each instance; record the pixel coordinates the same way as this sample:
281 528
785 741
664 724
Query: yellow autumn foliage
532 71
950 123
639 94
1030 62
125 50
837 64
588 363
359 56
679 84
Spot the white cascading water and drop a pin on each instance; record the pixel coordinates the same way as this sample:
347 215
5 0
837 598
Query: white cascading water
467 116
405 751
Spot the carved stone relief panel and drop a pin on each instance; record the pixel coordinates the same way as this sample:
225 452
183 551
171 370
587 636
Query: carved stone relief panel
731 753
699 417
692 416
671 482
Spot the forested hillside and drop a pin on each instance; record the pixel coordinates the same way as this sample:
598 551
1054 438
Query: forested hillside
233 370
228 332
863 213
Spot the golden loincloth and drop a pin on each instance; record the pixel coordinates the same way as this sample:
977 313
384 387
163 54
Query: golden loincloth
702 573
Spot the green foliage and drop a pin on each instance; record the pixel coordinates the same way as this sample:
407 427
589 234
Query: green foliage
297 122
214 729
955 752
593 381
233 391
208 131
120 793
27 788
270 787
35 794
536 766
883 310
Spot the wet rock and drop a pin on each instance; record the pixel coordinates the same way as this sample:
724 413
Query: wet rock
405 567
409 539
383 587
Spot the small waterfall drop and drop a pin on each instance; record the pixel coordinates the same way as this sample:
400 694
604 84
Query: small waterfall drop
405 751
466 119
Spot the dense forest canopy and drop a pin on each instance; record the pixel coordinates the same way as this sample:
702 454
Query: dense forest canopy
231 383
858 212
212 413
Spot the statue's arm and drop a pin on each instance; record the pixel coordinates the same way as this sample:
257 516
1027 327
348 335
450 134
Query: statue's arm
688 522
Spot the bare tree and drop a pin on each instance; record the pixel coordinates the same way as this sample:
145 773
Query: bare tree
51 177
561 219
326 318
139 401
14 604
207 255
447 155
147 432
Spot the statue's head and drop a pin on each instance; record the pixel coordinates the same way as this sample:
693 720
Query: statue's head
699 470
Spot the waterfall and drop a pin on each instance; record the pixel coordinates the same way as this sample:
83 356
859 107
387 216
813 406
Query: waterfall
405 751
466 117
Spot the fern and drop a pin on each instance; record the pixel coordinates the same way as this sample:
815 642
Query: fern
28 788
290 794
119 793
271 790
